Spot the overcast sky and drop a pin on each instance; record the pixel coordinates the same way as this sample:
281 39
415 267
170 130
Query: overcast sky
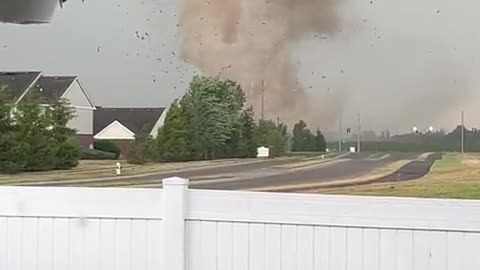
398 63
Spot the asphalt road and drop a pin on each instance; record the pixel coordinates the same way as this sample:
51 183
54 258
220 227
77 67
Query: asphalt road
413 170
259 174
357 165
155 180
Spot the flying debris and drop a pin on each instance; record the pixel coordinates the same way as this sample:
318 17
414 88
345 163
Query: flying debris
263 51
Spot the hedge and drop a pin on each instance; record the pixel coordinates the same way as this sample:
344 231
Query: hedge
92 154
107 146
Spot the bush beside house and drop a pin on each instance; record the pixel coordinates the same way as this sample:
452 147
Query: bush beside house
92 154
107 146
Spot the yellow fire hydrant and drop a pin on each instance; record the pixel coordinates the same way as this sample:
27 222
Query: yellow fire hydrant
118 168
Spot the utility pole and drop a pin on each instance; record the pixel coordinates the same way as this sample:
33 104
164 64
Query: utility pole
462 134
340 131
252 91
263 99
359 133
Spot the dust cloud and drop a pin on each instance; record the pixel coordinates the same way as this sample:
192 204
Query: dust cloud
250 41
326 60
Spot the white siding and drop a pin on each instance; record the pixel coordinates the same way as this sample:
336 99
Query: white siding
77 97
83 121
115 131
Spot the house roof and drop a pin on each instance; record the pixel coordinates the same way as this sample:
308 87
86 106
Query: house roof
18 82
51 89
135 119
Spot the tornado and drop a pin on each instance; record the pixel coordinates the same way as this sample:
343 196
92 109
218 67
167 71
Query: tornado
251 41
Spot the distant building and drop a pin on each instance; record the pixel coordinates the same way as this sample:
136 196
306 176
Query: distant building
50 89
122 124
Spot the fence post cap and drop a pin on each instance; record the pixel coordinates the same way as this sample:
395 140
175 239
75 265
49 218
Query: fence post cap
175 181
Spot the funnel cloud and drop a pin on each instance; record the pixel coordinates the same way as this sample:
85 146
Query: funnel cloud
251 42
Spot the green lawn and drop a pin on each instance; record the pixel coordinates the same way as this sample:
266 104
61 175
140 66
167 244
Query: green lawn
452 177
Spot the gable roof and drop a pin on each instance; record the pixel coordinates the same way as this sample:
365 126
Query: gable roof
115 131
18 82
51 89
135 119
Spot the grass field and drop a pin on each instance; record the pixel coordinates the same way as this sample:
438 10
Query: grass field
88 169
454 176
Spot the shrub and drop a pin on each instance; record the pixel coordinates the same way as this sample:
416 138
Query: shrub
92 154
41 152
68 154
10 167
107 146
142 150
13 157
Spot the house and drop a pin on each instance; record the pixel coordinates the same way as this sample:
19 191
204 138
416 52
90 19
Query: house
50 89
122 124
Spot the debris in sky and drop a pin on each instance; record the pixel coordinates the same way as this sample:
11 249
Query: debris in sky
265 52
99 48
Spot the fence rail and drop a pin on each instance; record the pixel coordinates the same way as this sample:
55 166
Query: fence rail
176 228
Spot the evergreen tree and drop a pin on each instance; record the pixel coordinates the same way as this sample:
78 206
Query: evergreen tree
33 127
303 139
247 145
320 142
12 150
142 148
268 134
58 114
173 137
35 137
299 139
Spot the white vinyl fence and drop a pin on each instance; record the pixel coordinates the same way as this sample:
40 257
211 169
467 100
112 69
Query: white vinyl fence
175 229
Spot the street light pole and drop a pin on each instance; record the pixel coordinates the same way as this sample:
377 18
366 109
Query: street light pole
340 130
462 134
263 99
359 133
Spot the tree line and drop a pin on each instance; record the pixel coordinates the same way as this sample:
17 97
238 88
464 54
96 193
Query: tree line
305 141
438 141
212 121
